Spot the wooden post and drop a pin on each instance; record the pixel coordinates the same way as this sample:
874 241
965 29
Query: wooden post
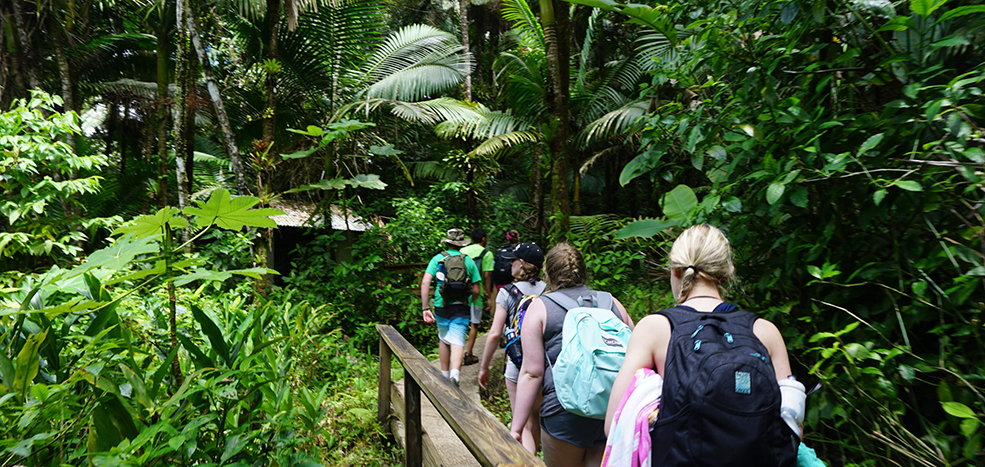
383 394
414 435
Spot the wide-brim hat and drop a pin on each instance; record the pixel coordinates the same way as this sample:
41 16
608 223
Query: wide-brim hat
456 237
528 252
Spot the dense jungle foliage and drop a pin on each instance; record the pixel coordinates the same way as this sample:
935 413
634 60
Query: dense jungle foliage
152 312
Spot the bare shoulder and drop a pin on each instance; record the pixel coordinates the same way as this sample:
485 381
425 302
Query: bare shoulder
767 332
654 323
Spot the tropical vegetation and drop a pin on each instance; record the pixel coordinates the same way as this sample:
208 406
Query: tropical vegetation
153 313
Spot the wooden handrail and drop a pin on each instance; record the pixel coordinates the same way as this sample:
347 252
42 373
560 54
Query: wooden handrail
485 437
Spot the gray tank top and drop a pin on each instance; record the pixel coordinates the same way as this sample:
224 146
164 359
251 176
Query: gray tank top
552 342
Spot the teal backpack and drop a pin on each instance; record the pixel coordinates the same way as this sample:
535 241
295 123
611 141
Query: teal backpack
593 346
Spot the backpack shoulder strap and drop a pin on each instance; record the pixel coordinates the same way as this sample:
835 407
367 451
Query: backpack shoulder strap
742 318
445 254
561 300
678 316
604 300
482 255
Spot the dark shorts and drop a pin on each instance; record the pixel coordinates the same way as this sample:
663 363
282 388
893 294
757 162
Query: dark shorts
579 431
454 311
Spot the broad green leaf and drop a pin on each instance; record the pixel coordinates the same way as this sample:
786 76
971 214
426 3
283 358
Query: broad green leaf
387 150
969 426
118 255
201 360
645 228
851 327
962 11
950 41
717 152
326 184
231 213
732 204
212 332
814 271
27 363
256 273
350 125
899 23
202 274
641 164
908 185
301 154
925 7
609 5
799 197
774 192
957 409
153 224
870 143
371 181
678 203
878 196
751 130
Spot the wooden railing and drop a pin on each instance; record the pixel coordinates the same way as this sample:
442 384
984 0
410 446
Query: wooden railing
484 436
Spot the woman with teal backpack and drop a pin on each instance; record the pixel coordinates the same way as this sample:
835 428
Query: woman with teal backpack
567 438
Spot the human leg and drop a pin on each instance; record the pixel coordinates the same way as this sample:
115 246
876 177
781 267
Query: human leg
559 453
475 318
444 352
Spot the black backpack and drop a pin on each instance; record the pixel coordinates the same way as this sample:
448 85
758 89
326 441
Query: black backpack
502 274
721 401
457 285
515 312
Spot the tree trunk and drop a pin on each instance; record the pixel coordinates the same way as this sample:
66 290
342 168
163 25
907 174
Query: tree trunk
556 37
162 113
28 60
537 190
7 95
463 13
270 84
220 109
181 101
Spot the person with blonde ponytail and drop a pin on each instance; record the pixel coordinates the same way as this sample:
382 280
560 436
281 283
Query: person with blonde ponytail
567 439
700 265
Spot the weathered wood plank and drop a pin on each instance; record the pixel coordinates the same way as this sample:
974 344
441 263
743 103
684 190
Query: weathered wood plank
412 422
485 437
383 394
397 428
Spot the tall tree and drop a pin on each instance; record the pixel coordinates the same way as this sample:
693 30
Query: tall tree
557 36
463 13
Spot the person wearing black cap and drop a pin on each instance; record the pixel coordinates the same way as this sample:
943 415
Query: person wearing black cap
526 262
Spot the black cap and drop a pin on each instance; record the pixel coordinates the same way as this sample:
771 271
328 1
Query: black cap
528 252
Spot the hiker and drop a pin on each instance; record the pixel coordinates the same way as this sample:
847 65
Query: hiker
458 279
502 274
566 438
721 368
484 260
526 261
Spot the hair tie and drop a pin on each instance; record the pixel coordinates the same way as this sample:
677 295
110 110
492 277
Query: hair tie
696 270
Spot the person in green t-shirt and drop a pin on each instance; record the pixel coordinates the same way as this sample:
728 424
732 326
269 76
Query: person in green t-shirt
484 259
451 318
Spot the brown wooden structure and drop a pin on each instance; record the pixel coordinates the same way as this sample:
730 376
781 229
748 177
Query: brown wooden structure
485 437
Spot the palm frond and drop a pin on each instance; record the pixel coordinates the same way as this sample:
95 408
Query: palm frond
433 111
435 170
522 83
416 62
498 143
483 124
529 32
612 124
586 48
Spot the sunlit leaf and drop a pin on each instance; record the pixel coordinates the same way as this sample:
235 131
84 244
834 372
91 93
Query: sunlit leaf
645 228
957 409
678 203
153 224
232 213
371 181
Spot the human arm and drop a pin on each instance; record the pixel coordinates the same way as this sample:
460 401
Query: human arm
425 293
495 332
532 370
624 314
490 295
647 349
771 338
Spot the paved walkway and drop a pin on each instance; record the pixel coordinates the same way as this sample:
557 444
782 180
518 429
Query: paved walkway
453 451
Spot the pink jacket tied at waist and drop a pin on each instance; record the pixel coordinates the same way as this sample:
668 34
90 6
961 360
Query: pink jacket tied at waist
628 444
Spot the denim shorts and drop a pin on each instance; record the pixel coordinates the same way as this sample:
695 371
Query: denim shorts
452 331
577 430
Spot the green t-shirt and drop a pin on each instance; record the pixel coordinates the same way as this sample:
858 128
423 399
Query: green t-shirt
474 251
432 269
